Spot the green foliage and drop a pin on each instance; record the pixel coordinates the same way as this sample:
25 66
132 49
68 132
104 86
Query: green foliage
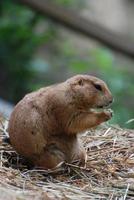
18 42
70 3
22 32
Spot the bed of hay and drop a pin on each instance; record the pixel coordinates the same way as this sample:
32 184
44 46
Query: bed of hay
109 172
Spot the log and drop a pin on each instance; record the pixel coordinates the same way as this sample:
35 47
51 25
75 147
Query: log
74 21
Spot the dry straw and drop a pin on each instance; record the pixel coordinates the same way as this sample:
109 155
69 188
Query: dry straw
108 174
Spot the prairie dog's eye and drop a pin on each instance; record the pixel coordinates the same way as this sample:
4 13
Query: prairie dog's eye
98 86
81 82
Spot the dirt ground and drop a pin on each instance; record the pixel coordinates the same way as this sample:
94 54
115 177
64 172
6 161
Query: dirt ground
109 172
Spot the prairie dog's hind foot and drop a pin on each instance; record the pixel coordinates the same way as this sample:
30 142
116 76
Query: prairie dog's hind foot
50 158
79 157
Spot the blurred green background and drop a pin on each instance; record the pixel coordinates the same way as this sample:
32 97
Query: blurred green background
36 52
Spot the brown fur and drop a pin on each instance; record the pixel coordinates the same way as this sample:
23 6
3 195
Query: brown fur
44 125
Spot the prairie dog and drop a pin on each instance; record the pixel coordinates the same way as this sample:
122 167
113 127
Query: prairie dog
44 125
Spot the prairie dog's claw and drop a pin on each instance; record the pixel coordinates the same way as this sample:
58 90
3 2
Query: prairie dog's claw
108 113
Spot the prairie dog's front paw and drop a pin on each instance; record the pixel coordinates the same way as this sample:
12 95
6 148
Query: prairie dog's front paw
107 114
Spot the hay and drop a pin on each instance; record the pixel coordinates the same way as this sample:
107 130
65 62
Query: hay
108 174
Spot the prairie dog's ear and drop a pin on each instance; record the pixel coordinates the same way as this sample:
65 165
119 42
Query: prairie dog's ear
81 82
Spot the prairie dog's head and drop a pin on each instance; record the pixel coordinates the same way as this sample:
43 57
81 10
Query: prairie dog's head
89 92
